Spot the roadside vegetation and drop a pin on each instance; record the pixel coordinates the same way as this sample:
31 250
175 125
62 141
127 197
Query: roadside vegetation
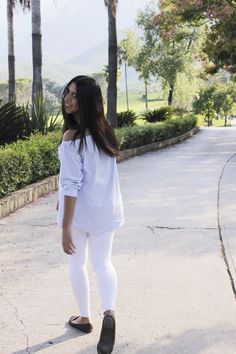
187 77
35 157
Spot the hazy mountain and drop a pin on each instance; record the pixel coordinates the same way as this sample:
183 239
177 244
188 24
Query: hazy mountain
69 28
94 60
91 61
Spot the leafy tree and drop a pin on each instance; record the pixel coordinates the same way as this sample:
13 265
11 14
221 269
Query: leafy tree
142 66
204 104
216 100
219 20
122 55
102 81
53 88
224 99
105 74
127 53
166 55
187 86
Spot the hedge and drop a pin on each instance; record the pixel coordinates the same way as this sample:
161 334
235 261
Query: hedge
131 137
27 161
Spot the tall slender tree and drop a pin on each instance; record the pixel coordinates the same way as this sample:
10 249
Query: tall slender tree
122 57
37 87
112 62
128 51
11 50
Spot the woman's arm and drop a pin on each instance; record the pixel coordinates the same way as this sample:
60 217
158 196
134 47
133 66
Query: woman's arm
69 207
71 181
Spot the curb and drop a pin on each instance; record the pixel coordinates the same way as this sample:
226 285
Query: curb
24 196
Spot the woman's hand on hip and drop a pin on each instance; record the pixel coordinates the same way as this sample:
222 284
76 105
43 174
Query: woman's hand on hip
67 243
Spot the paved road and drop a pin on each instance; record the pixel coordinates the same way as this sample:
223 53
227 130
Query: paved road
175 292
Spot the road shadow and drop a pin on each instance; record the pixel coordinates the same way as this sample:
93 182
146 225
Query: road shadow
69 334
220 338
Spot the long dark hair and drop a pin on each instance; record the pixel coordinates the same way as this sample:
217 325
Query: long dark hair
91 116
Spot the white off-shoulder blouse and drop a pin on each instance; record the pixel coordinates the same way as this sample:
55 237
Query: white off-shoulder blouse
92 177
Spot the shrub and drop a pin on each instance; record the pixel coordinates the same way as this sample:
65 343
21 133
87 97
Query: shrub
18 122
42 154
130 137
179 111
42 118
14 170
126 118
158 115
12 123
36 159
47 152
30 160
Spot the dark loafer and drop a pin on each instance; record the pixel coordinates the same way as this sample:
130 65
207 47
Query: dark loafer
83 327
107 336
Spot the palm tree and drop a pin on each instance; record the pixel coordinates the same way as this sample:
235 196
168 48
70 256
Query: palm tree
37 87
112 62
11 50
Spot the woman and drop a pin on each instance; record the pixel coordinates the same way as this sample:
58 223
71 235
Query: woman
90 203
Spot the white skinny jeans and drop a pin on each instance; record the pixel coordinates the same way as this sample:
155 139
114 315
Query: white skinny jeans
100 247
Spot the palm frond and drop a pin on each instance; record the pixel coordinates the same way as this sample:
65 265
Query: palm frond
12 123
25 4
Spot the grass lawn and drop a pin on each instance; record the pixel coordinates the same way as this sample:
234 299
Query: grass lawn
215 122
137 103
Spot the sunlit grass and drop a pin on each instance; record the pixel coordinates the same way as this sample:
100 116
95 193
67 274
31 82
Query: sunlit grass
137 102
215 122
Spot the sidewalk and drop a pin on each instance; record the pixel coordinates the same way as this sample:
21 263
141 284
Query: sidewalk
175 295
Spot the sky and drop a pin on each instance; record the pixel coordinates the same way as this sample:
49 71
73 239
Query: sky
69 27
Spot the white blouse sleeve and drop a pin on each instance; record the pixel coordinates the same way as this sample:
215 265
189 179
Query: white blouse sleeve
71 169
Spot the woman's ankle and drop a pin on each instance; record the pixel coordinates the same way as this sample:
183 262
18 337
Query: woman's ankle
109 312
84 319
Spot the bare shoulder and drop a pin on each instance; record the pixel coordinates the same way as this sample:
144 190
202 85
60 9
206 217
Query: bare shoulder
69 134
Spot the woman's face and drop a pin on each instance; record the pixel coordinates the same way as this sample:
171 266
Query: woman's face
70 100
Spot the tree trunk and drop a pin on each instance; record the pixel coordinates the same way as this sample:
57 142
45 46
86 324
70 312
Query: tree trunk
126 86
146 94
112 66
37 88
11 54
170 96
